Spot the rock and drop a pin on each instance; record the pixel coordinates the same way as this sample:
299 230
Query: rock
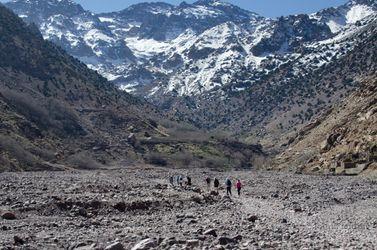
275 195
214 193
120 206
82 212
297 209
169 241
223 240
211 232
219 247
9 216
145 244
115 246
237 238
18 240
284 221
132 139
348 164
358 169
189 216
330 142
252 218
192 243
91 247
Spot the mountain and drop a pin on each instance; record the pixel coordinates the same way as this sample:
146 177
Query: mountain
342 139
154 49
58 114
103 41
292 93
221 68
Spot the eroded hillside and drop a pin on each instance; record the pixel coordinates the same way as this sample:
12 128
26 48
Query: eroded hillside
58 114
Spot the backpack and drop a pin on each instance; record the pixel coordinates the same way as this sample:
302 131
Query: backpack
228 183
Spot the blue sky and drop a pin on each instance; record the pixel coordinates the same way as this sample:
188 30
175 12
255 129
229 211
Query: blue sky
268 8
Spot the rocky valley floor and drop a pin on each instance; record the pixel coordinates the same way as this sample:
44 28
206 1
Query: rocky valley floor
136 208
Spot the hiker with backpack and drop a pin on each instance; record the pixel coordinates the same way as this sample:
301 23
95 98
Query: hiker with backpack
216 184
180 180
228 184
171 180
188 182
208 181
239 187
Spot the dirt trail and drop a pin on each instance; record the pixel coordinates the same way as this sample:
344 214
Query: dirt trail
69 210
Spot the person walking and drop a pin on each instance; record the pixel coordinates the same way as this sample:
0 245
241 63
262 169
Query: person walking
228 184
216 184
171 180
180 180
208 181
239 187
188 181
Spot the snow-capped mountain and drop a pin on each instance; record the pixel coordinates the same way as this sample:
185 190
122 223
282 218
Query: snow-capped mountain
155 49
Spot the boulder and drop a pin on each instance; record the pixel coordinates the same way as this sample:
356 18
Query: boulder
18 240
237 238
115 246
358 169
145 244
120 206
8 216
223 240
192 243
348 164
252 218
297 209
132 139
214 193
91 247
211 232
330 142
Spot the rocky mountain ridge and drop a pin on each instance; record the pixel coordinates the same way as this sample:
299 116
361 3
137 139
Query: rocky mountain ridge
157 48
262 80
58 114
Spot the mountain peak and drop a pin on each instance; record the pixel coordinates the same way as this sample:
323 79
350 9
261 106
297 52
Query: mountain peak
38 9
211 3
49 2
372 3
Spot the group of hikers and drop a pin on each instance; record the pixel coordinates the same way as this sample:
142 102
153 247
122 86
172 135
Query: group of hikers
186 181
180 180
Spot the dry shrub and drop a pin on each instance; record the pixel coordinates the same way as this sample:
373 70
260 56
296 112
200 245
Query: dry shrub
45 154
50 114
27 106
84 160
157 159
64 119
17 151
182 159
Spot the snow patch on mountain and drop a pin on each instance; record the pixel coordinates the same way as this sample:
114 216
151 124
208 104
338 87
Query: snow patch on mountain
190 49
145 48
358 12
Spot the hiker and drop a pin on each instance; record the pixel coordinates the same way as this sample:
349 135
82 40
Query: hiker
239 186
180 180
228 184
216 184
188 183
177 178
208 181
171 180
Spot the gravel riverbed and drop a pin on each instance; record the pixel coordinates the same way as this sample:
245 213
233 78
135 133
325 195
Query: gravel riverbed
137 208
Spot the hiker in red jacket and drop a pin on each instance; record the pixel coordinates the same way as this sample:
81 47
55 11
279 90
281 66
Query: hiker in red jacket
239 186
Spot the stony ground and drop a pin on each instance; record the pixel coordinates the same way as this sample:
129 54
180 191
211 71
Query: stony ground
137 209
